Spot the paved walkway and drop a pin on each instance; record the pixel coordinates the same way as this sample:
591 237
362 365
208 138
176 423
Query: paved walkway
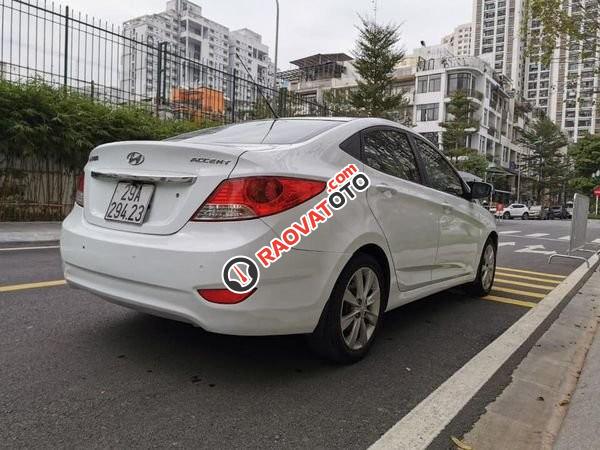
29 232
581 428
547 404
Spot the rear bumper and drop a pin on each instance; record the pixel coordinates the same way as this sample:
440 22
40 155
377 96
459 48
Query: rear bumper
161 275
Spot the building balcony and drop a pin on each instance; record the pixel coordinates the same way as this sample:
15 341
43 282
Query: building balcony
473 94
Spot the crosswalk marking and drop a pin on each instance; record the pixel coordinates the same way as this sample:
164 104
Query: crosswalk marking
550 275
564 238
504 244
524 277
596 241
537 235
508 232
518 292
509 301
520 283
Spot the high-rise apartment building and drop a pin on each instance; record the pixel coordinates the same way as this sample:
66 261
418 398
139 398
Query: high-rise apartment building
497 37
460 41
566 89
201 41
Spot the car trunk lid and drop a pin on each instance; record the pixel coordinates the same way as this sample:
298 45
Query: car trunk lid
183 176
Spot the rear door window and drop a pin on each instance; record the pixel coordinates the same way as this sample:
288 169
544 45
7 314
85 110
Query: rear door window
389 151
440 173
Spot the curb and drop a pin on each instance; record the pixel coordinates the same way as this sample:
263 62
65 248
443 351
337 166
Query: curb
429 418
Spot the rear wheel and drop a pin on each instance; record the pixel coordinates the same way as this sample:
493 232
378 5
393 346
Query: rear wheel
525 216
352 316
506 215
486 271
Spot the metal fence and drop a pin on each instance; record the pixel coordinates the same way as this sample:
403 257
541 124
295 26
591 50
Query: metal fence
52 44
48 42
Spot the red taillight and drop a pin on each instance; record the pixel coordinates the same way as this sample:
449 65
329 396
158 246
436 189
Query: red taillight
80 187
252 197
224 296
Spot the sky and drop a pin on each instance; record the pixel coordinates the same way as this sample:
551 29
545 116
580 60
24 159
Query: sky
306 26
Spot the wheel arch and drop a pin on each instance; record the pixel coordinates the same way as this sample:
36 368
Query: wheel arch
493 236
381 257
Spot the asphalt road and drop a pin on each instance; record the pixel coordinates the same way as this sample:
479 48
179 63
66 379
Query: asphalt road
76 371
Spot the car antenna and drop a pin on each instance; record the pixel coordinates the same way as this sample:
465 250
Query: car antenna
258 87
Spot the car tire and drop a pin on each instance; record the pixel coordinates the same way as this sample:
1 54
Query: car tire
525 216
506 215
349 323
486 270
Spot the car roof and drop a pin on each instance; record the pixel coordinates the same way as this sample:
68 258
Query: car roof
363 121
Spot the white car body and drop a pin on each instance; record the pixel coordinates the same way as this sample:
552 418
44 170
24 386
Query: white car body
429 240
569 207
514 210
536 212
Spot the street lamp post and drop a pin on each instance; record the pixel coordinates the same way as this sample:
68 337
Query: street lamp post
597 175
276 46
519 178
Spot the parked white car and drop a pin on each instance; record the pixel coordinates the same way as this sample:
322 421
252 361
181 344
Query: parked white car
156 223
569 207
515 210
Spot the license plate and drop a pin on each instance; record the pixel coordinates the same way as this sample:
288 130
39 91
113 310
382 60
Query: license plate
130 202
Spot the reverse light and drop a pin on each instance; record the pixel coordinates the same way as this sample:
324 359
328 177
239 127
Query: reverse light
224 296
80 187
253 197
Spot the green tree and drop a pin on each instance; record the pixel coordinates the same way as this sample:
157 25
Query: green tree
581 23
460 124
586 161
472 162
338 102
544 139
376 56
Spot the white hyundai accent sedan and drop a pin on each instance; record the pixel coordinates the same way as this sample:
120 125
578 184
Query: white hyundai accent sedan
173 228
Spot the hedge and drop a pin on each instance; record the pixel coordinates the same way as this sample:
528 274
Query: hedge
42 122
46 134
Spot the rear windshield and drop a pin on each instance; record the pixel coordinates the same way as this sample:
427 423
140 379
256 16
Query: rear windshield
279 131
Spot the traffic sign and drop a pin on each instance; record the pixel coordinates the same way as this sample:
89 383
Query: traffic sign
597 191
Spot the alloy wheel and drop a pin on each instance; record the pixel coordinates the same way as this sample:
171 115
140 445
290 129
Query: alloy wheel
360 308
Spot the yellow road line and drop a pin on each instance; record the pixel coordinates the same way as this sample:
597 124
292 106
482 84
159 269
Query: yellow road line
523 277
22 287
562 277
509 301
517 292
519 283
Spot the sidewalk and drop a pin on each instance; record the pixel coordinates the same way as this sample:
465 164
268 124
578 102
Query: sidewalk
553 400
581 427
29 232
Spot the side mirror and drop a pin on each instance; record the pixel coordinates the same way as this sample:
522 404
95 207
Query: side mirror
480 190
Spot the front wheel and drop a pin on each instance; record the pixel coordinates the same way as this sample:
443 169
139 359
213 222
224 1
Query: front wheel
486 271
525 216
352 316
506 215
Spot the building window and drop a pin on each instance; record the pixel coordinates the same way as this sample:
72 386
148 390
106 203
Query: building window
460 82
430 83
428 113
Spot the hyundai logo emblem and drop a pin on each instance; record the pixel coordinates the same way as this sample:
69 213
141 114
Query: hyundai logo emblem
135 158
